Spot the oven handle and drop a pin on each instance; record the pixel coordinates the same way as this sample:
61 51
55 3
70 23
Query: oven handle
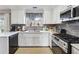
56 38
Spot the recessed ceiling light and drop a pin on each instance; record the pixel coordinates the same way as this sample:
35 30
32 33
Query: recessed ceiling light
34 7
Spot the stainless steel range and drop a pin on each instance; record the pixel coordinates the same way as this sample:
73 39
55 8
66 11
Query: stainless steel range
64 41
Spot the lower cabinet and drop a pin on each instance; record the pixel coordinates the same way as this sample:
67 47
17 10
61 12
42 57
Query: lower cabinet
75 50
33 39
4 45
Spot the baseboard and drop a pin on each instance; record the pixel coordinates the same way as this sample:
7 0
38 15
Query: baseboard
33 46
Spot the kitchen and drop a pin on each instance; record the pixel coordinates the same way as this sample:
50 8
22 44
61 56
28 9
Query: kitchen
48 27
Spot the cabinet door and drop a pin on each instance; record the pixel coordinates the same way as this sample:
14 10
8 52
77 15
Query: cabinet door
4 45
21 17
47 17
14 17
44 39
17 16
56 15
36 39
28 39
75 50
21 41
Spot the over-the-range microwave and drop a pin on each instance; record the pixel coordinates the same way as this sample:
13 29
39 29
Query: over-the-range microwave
72 14
67 15
76 11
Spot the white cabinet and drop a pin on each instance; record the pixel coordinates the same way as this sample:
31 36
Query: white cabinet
4 45
44 39
17 16
56 16
75 50
33 39
7 22
47 17
14 17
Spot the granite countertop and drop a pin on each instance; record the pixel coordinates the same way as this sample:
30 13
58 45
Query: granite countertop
7 34
75 46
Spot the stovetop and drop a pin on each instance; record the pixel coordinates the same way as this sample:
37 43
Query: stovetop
68 38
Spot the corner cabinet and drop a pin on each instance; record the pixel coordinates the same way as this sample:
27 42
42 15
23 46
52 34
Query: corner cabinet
17 16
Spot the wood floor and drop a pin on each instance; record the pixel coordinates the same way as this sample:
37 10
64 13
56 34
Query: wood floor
39 50
34 51
57 50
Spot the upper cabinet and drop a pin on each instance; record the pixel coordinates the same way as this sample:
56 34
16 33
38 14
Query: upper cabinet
52 16
47 16
17 16
56 15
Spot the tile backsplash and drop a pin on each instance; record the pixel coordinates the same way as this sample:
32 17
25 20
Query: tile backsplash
72 28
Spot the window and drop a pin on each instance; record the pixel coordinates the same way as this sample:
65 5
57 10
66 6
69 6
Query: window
1 22
34 19
34 16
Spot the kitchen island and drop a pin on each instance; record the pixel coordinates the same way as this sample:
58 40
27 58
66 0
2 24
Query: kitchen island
8 40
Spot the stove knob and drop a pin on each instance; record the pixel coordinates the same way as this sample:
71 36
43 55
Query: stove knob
64 44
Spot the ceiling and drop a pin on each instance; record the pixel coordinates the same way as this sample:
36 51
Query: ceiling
28 8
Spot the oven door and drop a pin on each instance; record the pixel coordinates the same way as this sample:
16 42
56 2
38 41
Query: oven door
63 45
59 42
